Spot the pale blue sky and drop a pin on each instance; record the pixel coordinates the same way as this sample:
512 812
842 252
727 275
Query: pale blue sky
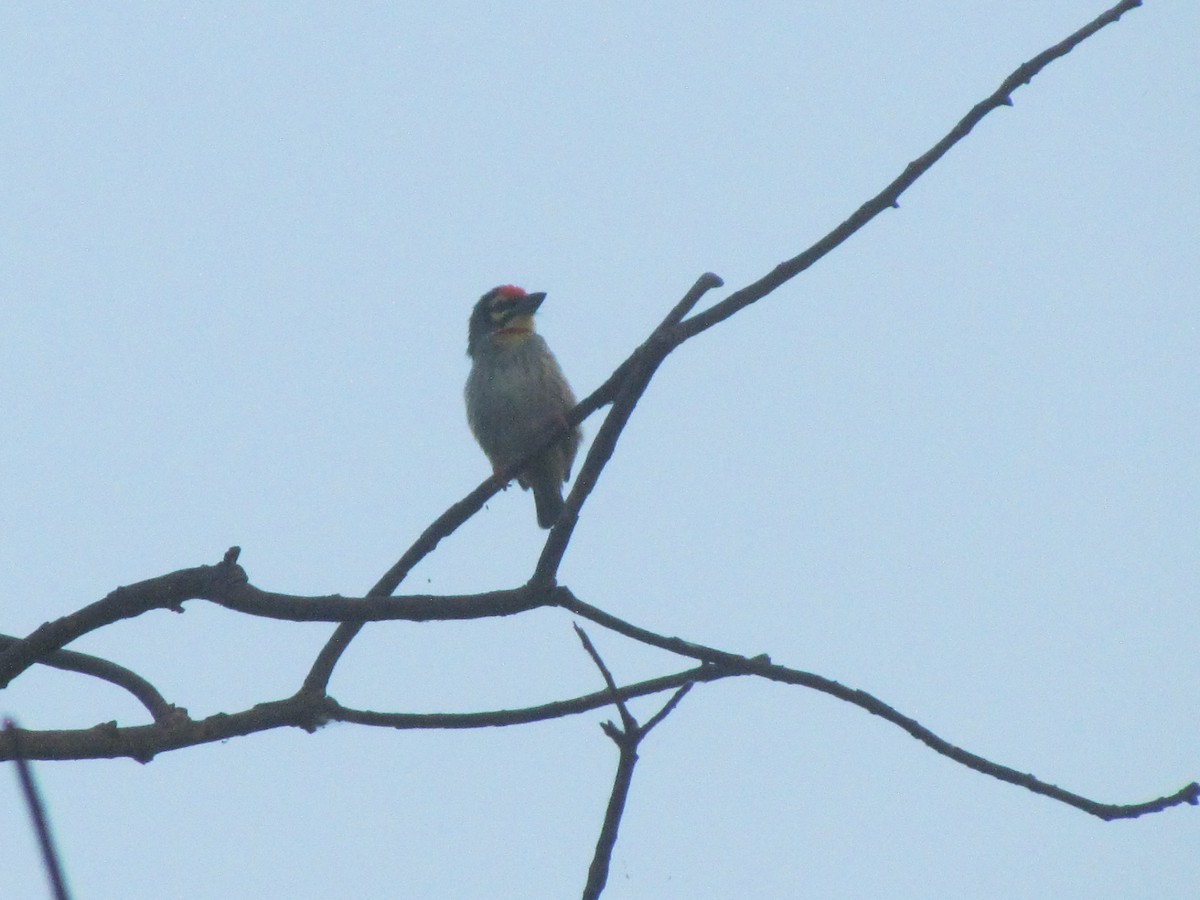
955 464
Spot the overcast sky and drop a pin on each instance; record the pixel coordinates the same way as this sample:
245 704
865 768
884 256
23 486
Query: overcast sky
954 464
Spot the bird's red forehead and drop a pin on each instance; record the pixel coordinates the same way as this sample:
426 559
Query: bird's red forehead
510 292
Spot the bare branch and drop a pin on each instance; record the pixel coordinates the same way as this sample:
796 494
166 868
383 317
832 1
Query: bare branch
164 592
554 710
37 814
318 677
638 369
627 738
607 840
71 661
668 707
889 197
705 283
226 585
627 719
670 333
764 668
309 711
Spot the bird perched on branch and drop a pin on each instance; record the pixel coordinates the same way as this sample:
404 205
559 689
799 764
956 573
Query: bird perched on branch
516 395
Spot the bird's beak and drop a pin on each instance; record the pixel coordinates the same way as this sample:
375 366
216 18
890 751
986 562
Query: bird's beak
528 304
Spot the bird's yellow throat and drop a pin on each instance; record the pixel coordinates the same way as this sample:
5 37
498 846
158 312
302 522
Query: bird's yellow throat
515 330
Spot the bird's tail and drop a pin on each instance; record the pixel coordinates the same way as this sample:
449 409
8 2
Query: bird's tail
547 497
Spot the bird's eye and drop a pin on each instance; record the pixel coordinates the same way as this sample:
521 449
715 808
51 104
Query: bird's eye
501 307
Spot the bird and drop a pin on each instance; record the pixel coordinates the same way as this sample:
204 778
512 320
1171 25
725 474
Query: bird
516 394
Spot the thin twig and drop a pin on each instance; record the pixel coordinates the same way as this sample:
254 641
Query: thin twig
639 369
764 668
627 719
164 592
85 664
889 197
607 840
705 283
627 738
144 742
37 814
667 707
